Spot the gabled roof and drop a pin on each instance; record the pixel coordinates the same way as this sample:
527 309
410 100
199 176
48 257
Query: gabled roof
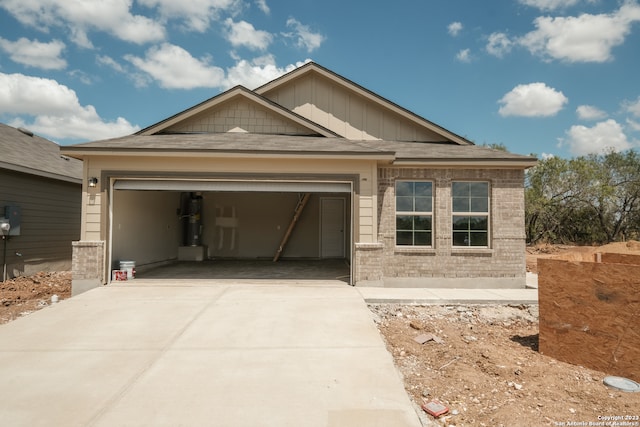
234 93
189 133
312 67
27 153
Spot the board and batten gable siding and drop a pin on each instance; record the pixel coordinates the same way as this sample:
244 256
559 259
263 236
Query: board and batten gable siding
50 221
345 112
242 114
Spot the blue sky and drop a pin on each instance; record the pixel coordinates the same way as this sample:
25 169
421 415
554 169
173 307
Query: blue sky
550 77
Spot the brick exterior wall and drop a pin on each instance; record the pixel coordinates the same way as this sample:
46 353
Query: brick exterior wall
88 260
504 259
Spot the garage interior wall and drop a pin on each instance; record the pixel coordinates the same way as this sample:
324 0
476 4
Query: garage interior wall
145 226
241 225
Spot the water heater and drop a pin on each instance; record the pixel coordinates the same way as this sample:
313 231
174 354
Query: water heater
194 221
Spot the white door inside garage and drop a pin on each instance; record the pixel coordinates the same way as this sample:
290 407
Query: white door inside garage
332 226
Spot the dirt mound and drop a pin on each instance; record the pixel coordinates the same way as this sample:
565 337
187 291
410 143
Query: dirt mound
26 294
576 253
621 247
486 368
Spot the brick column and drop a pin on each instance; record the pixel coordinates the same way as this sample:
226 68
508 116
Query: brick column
368 264
87 265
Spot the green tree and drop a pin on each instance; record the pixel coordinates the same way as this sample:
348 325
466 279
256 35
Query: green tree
589 199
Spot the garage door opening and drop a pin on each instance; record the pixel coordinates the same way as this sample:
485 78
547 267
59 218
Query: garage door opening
238 226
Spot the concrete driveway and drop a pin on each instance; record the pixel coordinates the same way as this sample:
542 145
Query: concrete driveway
201 354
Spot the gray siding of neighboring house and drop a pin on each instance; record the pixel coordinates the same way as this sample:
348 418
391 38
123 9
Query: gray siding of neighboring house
50 221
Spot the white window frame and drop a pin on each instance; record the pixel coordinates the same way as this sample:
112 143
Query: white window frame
414 213
471 213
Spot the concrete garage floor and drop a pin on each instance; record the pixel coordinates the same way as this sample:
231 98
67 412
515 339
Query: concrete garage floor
283 269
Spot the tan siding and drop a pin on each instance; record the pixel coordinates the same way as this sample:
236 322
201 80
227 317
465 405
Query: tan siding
347 113
300 96
355 119
239 114
321 112
50 218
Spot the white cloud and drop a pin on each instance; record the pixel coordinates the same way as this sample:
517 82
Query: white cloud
262 5
499 44
244 34
35 54
547 156
632 107
56 110
83 77
110 62
635 126
175 68
196 14
532 100
589 112
585 38
257 72
550 4
604 136
303 35
454 28
80 17
464 55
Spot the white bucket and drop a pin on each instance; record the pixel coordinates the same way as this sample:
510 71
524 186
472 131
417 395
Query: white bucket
129 267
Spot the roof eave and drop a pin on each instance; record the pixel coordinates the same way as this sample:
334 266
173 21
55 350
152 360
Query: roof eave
83 152
40 173
525 163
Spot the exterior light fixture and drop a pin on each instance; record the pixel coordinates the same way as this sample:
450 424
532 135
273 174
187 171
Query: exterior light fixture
93 182
5 226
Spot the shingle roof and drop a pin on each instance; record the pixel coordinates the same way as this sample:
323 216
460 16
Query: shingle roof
246 143
445 151
35 155
228 143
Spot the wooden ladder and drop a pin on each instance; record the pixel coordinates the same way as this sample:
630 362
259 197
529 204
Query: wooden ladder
296 215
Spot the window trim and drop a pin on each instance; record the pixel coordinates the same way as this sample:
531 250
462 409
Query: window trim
486 214
413 248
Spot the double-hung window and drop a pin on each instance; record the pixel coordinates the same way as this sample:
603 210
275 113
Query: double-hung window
414 213
470 210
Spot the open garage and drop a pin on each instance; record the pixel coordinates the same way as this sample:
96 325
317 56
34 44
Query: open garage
202 227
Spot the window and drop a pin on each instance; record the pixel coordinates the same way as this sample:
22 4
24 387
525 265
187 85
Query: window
414 213
470 213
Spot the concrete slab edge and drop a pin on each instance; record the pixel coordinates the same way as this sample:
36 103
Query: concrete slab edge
430 301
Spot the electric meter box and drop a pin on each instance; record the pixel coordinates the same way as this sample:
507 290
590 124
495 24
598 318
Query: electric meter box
12 213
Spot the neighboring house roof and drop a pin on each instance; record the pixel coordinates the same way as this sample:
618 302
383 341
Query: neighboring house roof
24 152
